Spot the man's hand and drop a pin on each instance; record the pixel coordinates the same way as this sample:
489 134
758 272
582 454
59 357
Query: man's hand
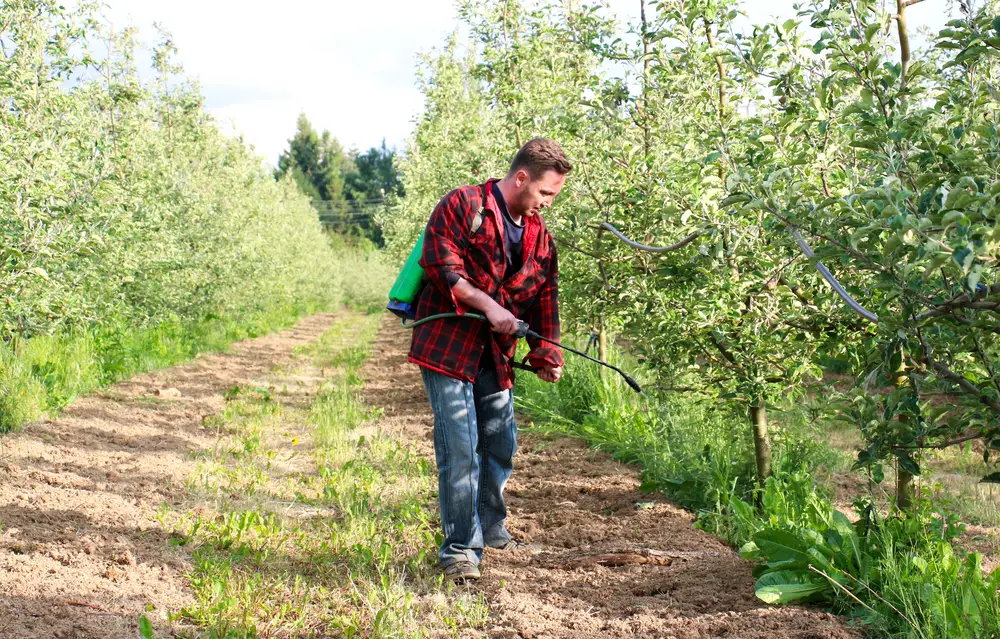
502 320
550 374
499 318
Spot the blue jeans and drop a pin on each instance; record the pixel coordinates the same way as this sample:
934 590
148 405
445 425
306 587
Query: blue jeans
475 439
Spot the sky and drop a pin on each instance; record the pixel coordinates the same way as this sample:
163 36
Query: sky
349 65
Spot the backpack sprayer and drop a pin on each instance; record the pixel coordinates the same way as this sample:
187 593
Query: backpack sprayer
405 291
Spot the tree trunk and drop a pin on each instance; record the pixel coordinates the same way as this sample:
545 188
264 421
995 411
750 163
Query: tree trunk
602 345
904 489
904 42
761 441
904 480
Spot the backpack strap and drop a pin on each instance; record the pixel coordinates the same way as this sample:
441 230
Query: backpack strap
477 220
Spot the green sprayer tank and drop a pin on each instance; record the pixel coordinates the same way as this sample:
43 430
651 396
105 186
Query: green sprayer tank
403 294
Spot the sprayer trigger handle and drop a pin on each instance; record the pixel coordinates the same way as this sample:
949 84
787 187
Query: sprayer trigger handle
522 329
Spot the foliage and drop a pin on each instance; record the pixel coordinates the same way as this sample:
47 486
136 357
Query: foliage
371 275
133 232
374 177
900 573
454 118
373 185
743 142
346 188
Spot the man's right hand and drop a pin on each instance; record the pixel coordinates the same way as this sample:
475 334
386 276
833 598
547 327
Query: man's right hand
502 320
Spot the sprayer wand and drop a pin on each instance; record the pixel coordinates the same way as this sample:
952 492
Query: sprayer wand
530 333
524 331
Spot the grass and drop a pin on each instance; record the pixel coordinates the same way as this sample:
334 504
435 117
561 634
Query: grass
311 522
47 372
951 475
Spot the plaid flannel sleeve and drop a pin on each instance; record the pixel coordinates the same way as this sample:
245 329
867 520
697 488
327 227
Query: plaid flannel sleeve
544 319
445 245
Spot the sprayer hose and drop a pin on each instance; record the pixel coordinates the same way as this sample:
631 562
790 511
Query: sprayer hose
431 318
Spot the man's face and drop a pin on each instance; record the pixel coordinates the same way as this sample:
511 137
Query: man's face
535 195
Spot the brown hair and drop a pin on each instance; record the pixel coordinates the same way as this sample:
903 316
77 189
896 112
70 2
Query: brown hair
537 156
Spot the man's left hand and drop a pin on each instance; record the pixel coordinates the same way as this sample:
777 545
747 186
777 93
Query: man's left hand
550 374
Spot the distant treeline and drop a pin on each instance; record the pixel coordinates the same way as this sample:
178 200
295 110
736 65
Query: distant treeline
346 186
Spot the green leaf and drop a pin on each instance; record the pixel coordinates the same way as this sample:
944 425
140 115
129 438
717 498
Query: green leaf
906 462
146 628
39 271
973 279
736 198
960 255
819 559
842 523
781 545
749 550
951 217
786 586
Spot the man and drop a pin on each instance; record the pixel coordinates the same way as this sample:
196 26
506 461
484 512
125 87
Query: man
486 250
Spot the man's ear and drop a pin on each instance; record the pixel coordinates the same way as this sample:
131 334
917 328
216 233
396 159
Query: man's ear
521 177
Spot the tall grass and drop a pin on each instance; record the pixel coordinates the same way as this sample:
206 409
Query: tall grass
690 447
314 522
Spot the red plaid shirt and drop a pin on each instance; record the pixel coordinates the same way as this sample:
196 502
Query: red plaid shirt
454 346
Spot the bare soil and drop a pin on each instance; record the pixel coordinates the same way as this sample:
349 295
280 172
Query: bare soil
82 553
607 560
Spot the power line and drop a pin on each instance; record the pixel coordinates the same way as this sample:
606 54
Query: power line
344 215
340 203
355 218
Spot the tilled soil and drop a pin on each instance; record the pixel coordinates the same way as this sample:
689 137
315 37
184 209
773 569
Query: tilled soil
606 560
82 553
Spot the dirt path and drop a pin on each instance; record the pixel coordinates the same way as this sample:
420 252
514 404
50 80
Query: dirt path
607 567
81 551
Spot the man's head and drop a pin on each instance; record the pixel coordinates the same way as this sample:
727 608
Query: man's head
535 178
